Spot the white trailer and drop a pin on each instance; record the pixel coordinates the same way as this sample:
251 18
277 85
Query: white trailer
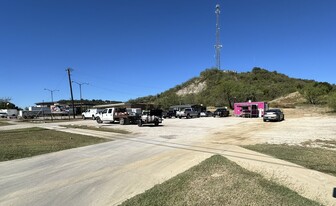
10 112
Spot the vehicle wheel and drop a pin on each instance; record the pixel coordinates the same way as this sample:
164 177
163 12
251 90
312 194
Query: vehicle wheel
99 121
264 120
83 117
93 117
122 121
188 116
139 123
180 117
156 123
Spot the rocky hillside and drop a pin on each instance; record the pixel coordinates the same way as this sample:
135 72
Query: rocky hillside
216 87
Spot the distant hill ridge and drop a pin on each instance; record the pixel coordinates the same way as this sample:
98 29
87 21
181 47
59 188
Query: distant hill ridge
216 87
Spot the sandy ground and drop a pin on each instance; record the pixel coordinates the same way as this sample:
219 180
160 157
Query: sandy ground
109 173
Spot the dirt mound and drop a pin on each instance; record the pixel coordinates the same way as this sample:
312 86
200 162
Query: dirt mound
289 101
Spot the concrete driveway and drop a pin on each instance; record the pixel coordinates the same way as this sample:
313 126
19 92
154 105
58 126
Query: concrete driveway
109 173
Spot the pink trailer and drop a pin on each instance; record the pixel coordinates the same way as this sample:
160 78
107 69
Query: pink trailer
250 109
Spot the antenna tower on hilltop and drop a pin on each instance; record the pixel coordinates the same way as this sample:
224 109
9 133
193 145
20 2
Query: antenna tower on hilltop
218 45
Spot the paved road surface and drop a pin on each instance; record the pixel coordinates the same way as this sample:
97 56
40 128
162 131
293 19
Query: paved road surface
109 173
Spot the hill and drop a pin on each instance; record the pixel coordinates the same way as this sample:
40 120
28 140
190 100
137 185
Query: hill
222 88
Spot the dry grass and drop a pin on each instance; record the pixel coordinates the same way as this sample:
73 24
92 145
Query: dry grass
323 160
218 181
288 101
103 129
22 143
318 143
4 123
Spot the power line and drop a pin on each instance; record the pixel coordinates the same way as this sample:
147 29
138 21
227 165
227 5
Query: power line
80 87
113 90
133 84
52 92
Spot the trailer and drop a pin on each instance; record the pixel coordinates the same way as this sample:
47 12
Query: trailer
250 109
10 112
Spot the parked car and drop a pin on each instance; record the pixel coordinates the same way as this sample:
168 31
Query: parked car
206 114
3 115
121 115
91 113
169 114
274 115
153 116
188 113
221 112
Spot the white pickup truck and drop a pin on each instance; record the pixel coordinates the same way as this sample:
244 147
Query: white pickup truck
91 113
187 113
122 115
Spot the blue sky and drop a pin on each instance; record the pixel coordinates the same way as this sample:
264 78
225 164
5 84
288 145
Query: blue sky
126 49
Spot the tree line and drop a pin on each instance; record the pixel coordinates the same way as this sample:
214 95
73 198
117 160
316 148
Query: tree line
225 88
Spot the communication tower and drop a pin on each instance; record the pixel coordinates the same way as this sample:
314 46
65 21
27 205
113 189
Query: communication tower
218 45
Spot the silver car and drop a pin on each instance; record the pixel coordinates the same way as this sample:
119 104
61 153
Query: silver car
274 115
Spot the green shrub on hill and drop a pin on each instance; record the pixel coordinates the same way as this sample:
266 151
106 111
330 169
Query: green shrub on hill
332 101
224 88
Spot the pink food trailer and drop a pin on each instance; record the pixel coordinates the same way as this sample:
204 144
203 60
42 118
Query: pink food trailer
250 109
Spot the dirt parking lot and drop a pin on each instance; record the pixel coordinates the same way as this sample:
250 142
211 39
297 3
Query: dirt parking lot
298 127
109 173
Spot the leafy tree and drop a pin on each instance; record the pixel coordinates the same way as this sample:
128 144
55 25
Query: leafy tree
5 103
225 88
314 92
332 101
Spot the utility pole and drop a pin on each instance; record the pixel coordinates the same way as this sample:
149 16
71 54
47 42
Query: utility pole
80 87
72 100
52 92
218 45
80 93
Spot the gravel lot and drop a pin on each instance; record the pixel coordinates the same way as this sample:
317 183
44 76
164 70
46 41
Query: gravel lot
297 128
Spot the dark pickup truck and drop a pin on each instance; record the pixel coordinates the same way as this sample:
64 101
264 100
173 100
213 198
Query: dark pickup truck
221 112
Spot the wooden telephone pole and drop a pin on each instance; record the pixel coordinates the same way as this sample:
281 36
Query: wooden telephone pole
72 100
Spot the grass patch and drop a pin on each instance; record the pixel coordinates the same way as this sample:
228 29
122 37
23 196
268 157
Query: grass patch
29 142
40 120
323 160
331 144
218 181
4 123
103 129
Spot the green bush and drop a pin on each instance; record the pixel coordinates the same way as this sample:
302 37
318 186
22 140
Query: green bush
332 101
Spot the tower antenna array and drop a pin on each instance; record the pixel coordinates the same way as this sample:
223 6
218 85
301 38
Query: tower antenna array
218 45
